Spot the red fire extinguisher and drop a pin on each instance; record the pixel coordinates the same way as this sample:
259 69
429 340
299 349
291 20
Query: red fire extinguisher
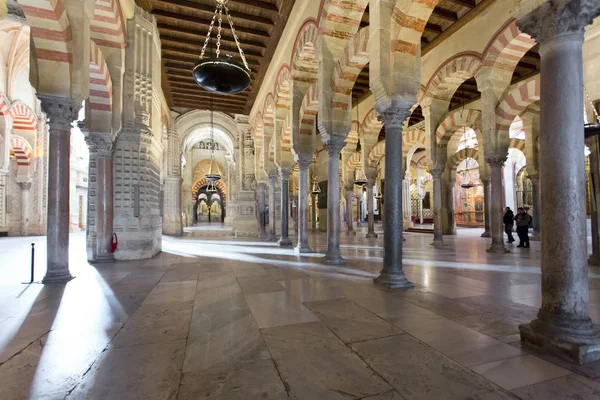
114 243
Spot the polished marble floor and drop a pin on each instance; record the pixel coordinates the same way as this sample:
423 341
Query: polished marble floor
240 319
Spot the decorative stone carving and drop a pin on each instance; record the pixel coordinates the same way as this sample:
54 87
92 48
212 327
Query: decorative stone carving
61 111
334 146
495 160
436 171
394 117
102 146
543 20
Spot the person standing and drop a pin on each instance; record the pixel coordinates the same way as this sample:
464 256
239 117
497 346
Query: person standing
523 219
508 224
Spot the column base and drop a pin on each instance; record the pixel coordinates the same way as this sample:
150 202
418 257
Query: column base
350 233
104 258
497 248
486 234
371 235
334 259
438 244
576 347
302 249
271 238
284 242
393 281
57 277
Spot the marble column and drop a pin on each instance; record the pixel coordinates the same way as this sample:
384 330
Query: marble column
103 149
315 212
262 205
563 325
438 237
535 196
487 207
25 206
284 175
370 209
302 208
451 221
496 208
350 209
333 147
61 112
272 234
392 275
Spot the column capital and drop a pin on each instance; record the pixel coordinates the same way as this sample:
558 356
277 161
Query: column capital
60 110
284 174
349 187
25 185
394 117
304 161
495 159
543 20
436 171
535 179
102 146
272 178
334 146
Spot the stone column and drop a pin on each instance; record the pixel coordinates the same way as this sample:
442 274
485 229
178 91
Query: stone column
315 212
535 196
350 209
262 205
451 222
333 147
563 325
392 275
371 209
102 147
272 234
61 112
284 175
496 210
302 208
438 237
25 206
487 207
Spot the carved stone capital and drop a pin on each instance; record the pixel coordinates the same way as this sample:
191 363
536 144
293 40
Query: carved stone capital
544 20
284 174
102 146
334 146
495 160
304 161
436 171
25 185
394 117
60 110
272 179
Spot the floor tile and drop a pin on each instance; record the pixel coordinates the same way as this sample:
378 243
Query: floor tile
519 371
278 308
350 322
418 372
570 387
316 365
259 284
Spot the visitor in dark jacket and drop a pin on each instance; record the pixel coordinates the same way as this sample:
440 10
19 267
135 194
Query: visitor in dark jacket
508 224
523 219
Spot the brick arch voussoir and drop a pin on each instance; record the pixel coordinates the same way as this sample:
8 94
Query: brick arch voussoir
454 121
451 74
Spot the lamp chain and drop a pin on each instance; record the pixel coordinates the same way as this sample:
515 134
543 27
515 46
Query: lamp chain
219 30
235 37
210 28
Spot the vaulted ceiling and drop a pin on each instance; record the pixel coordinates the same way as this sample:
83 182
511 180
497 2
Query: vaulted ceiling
183 25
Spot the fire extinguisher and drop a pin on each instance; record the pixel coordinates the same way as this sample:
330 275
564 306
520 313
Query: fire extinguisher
114 243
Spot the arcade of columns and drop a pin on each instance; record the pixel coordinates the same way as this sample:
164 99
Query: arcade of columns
136 143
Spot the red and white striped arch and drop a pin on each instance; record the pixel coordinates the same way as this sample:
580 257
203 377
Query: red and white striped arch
515 102
518 144
354 162
411 138
100 99
461 155
353 59
286 135
340 19
107 28
309 110
455 121
303 60
371 126
450 75
24 120
268 109
376 154
50 30
4 105
507 47
22 151
258 129
202 181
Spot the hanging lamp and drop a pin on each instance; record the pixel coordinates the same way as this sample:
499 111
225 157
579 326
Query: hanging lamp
593 128
214 173
222 74
378 193
360 178
466 184
211 187
316 189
